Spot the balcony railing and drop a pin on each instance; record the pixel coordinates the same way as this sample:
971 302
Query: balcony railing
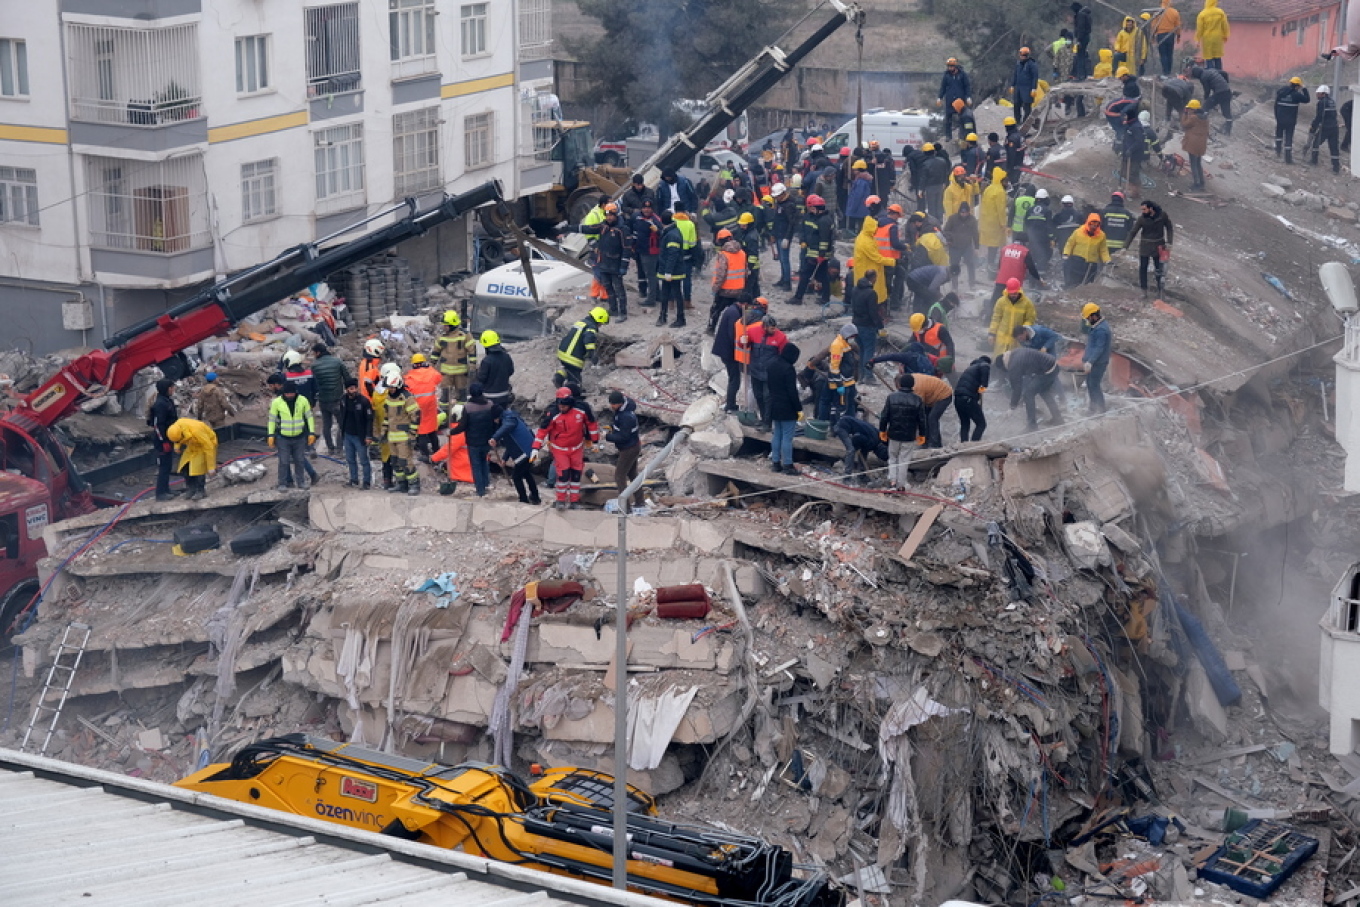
146 206
133 76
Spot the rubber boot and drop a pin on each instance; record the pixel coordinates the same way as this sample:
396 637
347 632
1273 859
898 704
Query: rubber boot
398 487
414 488
1161 291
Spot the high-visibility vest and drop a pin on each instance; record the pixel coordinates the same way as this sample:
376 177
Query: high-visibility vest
455 351
930 337
689 233
400 411
368 375
742 351
736 272
290 423
885 247
423 383
579 344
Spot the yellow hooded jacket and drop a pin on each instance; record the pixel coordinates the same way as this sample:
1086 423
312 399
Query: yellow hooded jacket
1006 317
992 230
957 192
934 246
197 443
1105 68
868 257
1123 39
1211 30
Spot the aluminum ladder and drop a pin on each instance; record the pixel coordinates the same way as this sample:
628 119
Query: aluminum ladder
59 676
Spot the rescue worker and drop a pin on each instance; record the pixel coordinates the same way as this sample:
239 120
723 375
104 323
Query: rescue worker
1038 337
729 276
356 433
623 434
1216 91
646 229
859 439
1105 68
565 430
578 346
934 174
160 416
730 349
935 338
938 397
211 404
330 374
1024 82
496 369
670 272
1124 41
296 373
857 196
693 249
1019 210
1130 88
785 408
478 422
1039 231
968 393
1134 152
401 416
635 196
926 284
817 239
783 226
866 314
884 169
869 256
972 158
961 237
954 86
1287 100
513 442
766 341
891 247
292 429
1012 309
1211 32
1195 141
902 426
379 443
1166 31
422 382
369 364
1324 129
1116 221
456 353
749 235
1177 92
1154 232
960 189
1032 374
613 249
1086 250
1116 115
1065 220
197 443
722 213
1015 263
1096 357
992 216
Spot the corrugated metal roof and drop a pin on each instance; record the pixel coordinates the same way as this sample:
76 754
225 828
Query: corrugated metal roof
73 835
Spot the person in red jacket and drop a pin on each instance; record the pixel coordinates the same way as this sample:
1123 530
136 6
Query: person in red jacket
1016 262
566 430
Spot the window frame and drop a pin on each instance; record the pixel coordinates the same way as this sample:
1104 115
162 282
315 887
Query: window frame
263 49
478 22
261 182
327 147
416 136
14 187
15 71
469 127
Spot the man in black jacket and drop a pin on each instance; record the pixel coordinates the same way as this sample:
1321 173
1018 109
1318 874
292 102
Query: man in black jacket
1287 101
867 315
495 369
903 426
785 406
478 424
613 249
858 437
162 414
623 434
356 432
330 375
1216 93
1033 373
1081 40
1324 129
972 384
954 85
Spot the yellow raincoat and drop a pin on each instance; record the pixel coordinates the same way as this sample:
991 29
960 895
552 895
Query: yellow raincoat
1105 68
1211 30
992 230
867 257
197 443
958 191
933 243
1124 38
1006 317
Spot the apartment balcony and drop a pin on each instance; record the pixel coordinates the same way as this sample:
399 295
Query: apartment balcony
135 88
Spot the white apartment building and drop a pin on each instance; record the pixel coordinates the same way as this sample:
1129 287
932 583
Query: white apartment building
148 146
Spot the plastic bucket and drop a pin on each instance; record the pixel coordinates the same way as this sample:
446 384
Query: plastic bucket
816 429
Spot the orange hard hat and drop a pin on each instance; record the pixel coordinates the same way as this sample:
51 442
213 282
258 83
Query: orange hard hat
958 104
895 208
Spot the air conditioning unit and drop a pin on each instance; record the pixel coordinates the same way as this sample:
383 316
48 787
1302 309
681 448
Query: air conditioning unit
77 315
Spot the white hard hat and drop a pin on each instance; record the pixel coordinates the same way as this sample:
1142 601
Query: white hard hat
292 357
817 147
797 181
1068 200
778 189
1042 193
1323 89
388 369
374 347
728 195
1145 117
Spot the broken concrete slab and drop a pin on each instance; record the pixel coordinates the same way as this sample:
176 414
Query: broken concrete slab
1210 718
717 445
1025 476
1085 545
656 646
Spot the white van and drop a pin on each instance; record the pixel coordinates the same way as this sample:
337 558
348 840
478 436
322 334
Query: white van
892 129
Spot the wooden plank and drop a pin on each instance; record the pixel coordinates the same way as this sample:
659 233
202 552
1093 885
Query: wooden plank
752 473
918 532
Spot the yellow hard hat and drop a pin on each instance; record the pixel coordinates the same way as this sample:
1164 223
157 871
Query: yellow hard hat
600 314
1123 71
1193 104
451 318
490 338
746 218
859 165
1089 309
419 359
1146 17
1296 81
928 146
970 137
1008 121
918 321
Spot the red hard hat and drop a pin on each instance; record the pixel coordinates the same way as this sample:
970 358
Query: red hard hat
564 393
845 152
873 200
816 201
1013 285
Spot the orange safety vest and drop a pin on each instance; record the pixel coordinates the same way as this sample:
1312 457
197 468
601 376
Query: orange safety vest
736 272
885 247
930 337
368 376
742 347
423 383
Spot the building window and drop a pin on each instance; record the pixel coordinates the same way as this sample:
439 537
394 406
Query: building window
13 68
148 207
252 64
535 29
411 27
472 19
18 196
415 151
332 49
339 168
477 140
259 197
133 76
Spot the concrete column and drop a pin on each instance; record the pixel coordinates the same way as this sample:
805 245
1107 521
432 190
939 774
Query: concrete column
1347 400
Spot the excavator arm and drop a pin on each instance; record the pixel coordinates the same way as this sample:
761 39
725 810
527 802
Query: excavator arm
561 823
162 340
746 86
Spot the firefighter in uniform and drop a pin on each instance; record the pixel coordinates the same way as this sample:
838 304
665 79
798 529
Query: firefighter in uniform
578 346
565 430
387 371
424 382
456 353
818 239
401 415
749 233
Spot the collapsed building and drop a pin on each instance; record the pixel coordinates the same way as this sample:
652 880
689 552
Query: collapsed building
974 689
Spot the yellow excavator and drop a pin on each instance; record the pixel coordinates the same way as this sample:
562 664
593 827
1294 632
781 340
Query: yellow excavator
560 823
